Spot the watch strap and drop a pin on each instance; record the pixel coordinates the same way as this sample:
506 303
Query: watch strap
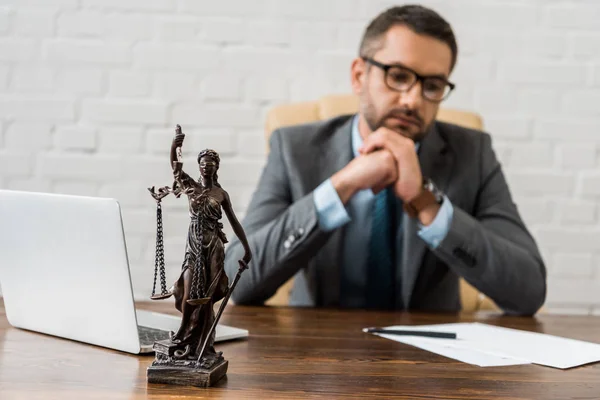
423 200
426 198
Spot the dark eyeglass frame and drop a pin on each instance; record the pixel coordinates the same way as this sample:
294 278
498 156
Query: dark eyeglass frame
420 78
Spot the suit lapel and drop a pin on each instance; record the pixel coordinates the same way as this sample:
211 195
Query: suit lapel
436 163
334 155
336 152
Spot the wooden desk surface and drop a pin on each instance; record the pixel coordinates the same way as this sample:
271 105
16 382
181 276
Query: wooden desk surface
298 354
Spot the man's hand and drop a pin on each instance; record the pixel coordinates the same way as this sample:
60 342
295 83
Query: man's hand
375 171
409 181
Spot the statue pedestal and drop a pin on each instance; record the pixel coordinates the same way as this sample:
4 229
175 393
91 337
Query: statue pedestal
166 368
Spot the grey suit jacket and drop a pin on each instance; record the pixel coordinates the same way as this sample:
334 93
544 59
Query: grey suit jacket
487 243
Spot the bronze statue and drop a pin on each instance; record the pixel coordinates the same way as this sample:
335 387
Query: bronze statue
188 356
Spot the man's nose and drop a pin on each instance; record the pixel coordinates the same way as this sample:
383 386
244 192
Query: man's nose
412 98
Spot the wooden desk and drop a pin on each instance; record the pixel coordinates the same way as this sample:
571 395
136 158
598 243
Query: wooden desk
298 354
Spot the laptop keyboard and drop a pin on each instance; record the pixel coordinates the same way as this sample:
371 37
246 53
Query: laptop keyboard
150 335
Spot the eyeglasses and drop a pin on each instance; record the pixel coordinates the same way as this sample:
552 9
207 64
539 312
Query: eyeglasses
402 79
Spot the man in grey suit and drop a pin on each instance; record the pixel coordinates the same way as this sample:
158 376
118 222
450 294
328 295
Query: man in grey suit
388 208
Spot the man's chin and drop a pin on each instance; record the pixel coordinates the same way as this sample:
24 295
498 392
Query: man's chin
406 131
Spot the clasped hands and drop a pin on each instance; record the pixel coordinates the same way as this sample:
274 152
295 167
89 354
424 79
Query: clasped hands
386 158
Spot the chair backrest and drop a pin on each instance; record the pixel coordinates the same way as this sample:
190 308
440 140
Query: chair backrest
335 105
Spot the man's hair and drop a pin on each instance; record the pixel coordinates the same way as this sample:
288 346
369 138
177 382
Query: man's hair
419 19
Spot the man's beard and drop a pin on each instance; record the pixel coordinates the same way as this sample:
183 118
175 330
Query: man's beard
375 123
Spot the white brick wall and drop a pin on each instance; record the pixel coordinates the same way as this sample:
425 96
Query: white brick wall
28 136
90 91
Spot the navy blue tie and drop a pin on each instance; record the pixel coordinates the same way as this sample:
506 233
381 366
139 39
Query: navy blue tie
381 261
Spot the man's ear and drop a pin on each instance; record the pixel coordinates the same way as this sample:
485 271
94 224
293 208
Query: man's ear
358 75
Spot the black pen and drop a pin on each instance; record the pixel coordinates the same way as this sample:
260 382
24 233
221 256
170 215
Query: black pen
433 334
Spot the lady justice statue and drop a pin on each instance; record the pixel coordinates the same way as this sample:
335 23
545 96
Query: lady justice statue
188 356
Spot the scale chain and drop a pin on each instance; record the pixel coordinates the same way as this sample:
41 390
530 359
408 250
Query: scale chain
159 259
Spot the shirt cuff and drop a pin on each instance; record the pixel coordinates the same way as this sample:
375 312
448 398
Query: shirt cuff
434 233
331 212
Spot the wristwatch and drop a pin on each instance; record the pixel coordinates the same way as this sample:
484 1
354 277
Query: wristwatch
428 196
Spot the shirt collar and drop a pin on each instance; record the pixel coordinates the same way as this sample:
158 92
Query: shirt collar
356 138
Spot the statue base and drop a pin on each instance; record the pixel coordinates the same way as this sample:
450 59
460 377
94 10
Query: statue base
168 369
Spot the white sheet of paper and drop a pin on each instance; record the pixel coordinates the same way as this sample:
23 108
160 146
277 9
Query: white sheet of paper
537 348
439 346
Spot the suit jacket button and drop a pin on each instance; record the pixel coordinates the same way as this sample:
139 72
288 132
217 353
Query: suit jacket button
464 256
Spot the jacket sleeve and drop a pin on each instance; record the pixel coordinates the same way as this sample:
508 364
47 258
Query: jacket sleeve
283 234
492 248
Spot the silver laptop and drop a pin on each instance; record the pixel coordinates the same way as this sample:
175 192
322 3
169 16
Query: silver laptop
64 272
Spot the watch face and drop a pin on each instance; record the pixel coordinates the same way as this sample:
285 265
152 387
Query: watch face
430 186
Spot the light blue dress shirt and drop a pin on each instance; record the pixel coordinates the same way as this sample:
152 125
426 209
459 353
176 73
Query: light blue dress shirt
356 218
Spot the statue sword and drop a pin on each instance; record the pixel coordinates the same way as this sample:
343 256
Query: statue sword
243 267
